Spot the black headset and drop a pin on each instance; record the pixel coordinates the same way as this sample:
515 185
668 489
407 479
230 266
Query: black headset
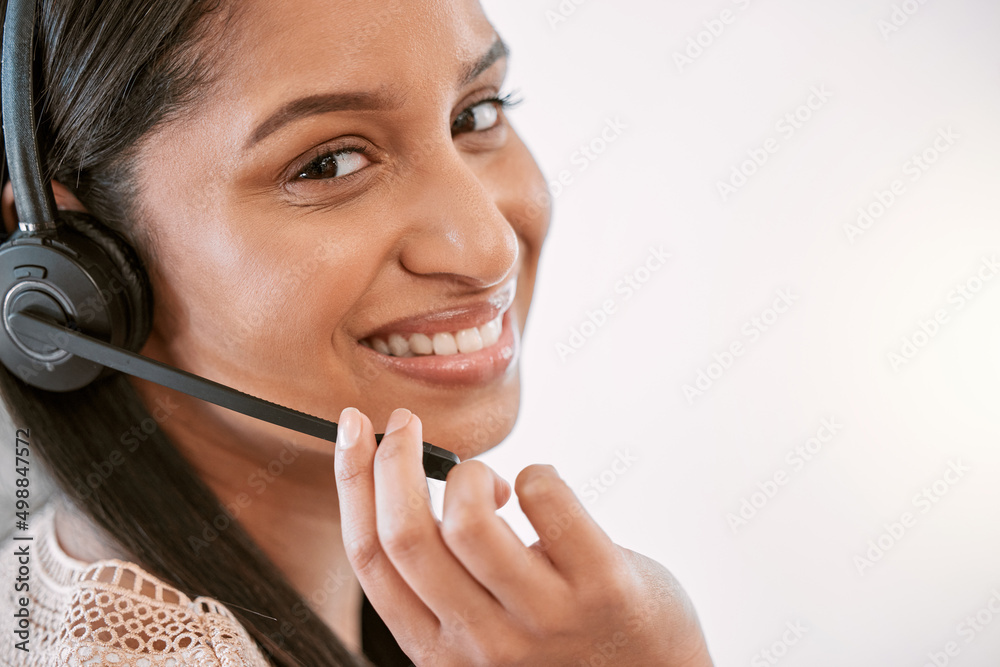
62 265
77 302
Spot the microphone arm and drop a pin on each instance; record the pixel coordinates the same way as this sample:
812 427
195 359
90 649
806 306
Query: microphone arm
437 461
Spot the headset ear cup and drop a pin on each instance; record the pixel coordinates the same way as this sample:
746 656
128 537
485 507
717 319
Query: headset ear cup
128 269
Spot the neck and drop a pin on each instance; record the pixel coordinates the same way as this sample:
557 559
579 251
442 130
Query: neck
288 504
281 489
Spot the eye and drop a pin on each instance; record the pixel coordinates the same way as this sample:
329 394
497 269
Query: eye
484 115
477 118
335 165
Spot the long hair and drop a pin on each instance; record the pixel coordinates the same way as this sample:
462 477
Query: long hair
110 71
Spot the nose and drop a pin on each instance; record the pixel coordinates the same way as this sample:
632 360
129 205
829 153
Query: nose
455 227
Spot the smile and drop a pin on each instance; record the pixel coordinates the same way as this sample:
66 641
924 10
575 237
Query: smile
468 345
442 343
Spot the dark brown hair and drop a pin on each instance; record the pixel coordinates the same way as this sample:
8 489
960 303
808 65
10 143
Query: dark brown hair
111 71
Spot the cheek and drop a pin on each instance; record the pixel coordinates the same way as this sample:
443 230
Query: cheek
233 297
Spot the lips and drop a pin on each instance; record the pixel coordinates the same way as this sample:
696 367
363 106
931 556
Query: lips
454 356
462 329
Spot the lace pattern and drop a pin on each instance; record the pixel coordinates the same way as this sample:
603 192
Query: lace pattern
113 613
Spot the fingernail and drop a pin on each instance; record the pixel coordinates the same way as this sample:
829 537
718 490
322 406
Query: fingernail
349 428
399 418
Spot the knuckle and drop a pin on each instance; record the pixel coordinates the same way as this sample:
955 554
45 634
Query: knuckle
401 543
612 591
417 500
498 653
549 622
424 652
556 613
462 526
390 451
351 470
363 551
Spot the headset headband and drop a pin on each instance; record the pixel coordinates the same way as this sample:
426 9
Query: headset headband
36 207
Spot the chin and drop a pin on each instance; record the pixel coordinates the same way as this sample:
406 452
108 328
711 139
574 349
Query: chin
476 428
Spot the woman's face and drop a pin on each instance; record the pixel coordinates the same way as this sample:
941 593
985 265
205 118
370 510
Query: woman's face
346 183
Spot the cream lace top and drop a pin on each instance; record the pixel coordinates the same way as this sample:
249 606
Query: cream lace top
110 613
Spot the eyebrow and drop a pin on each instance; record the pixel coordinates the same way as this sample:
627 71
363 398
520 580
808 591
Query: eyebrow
497 51
379 101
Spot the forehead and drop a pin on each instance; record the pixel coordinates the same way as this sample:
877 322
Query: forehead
278 49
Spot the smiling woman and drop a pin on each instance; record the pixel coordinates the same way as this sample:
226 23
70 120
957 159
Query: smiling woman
334 215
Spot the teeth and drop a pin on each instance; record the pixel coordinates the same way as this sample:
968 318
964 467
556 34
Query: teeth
469 340
490 332
421 344
398 345
380 346
443 343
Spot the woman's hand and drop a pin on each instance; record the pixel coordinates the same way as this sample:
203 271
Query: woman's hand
466 591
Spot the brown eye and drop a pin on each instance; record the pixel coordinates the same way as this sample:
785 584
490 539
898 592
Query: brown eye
335 165
478 118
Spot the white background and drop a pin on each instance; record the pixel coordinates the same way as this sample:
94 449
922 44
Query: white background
826 357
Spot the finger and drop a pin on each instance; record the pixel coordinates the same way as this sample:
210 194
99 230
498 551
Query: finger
400 608
576 545
409 532
487 547
501 488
